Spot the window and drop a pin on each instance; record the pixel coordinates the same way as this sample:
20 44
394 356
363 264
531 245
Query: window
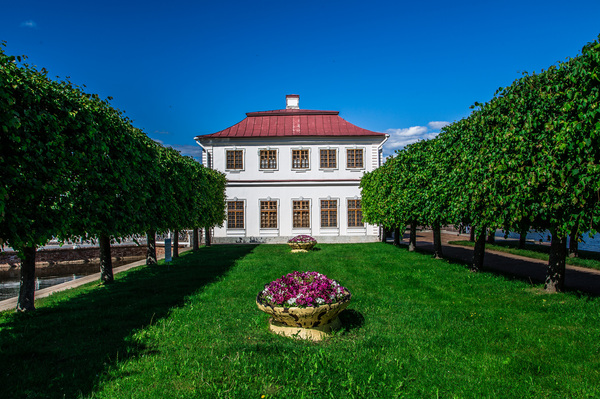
235 214
300 159
328 213
301 214
355 158
354 214
328 159
268 214
268 159
235 159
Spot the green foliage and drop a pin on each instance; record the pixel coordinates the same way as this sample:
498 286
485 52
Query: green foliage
212 188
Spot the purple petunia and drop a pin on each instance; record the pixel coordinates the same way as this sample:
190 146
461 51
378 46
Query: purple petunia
302 239
303 289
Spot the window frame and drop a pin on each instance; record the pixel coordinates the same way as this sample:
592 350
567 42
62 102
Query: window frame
260 159
242 151
329 210
306 211
362 149
354 209
260 208
300 169
236 211
328 166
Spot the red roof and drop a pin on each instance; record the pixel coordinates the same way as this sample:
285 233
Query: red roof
292 122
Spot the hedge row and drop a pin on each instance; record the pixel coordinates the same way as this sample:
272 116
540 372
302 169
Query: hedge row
527 159
74 167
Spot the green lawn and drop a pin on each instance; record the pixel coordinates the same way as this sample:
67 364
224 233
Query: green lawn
416 328
587 259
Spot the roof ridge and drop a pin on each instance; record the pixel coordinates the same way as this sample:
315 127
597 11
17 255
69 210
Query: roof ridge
279 112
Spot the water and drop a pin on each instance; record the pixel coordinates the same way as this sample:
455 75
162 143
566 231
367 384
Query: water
10 288
588 243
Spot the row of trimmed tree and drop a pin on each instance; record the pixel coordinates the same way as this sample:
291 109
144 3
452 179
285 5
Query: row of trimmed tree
72 167
527 159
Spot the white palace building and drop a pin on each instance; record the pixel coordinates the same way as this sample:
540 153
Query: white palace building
291 172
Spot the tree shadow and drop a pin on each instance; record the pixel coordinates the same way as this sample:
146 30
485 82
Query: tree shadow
63 349
578 281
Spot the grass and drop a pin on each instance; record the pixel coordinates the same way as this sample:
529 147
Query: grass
416 328
587 259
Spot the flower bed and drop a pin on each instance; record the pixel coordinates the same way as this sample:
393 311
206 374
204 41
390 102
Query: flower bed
303 305
302 289
302 239
302 243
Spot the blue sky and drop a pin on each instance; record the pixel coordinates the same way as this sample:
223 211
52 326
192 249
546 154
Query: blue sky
183 68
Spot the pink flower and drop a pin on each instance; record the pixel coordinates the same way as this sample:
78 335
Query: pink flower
303 289
302 239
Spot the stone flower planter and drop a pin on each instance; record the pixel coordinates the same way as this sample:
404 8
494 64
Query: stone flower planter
302 246
313 323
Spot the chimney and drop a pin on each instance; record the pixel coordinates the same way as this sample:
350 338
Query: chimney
292 101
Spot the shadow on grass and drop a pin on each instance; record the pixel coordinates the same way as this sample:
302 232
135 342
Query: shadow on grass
351 319
580 282
60 350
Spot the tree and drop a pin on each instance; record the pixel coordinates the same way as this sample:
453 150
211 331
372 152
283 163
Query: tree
39 132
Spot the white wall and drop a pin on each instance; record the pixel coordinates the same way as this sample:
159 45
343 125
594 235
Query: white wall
284 195
251 170
285 184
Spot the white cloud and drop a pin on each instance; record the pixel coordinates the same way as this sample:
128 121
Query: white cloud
29 24
400 138
437 125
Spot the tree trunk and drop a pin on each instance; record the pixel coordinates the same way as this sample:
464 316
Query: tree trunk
26 299
412 240
397 236
207 236
437 241
574 243
491 238
106 268
195 239
472 234
555 274
479 251
151 252
383 235
176 244
523 238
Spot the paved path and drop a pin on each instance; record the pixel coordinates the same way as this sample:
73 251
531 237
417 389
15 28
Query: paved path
533 270
11 303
